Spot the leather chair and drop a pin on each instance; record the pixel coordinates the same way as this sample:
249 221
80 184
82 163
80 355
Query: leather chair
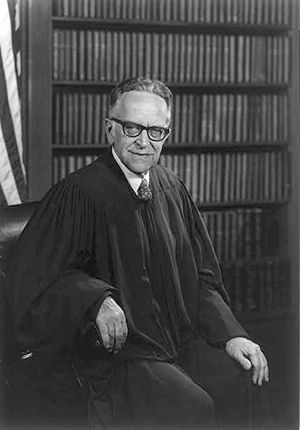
13 220
33 389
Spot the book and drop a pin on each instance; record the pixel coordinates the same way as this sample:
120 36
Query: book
82 51
55 54
89 57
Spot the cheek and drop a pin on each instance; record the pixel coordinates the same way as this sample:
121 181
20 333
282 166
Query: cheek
125 145
158 150
120 142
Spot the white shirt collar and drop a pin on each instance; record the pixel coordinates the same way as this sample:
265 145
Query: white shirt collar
133 179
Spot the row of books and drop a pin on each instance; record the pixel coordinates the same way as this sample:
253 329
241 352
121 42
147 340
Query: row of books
222 177
240 233
63 164
213 178
78 118
99 55
239 118
270 12
255 286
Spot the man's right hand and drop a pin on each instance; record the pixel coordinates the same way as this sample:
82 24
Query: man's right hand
111 322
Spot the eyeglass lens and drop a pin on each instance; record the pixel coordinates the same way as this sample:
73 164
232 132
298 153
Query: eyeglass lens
131 129
134 130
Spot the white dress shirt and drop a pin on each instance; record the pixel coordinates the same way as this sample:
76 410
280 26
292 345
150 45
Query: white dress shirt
133 178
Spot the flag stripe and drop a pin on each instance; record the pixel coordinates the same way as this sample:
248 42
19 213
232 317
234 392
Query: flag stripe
14 11
8 138
7 178
8 60
13 189
2 195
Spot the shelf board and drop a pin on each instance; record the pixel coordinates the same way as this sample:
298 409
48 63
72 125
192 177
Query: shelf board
205 206
222 146
168 26
87 149
184 148
262 314
209 87
263 259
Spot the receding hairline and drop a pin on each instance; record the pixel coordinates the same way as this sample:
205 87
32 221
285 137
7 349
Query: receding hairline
147 85
114 109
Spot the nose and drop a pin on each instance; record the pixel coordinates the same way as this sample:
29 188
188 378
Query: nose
142 140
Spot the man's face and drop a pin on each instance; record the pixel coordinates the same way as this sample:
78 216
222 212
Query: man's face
147 109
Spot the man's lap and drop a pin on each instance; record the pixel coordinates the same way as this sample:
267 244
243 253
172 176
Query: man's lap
149 394
141 391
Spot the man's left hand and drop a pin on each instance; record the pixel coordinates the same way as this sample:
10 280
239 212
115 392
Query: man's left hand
249 355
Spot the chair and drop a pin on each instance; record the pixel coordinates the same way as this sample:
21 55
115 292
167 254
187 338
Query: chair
13 219
34 390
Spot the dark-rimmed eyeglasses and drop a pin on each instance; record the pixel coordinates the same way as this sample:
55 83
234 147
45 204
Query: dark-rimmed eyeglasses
131 129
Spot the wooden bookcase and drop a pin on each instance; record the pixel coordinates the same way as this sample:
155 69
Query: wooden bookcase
229 64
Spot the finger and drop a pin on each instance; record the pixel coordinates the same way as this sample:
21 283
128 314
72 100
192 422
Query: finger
104 332
261 375
258 361
265 371
112 336
243 360
125 329
107 332
266 367
120 337
267 374
262 369
257 367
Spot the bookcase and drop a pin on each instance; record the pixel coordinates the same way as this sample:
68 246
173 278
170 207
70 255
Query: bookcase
228 63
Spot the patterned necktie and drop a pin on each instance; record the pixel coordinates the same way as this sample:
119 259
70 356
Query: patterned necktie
144 192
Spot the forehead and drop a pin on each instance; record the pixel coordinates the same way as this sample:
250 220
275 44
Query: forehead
143 107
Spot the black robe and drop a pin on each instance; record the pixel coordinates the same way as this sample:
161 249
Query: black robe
91 237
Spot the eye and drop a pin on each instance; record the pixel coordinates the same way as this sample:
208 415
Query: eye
132 129
156 132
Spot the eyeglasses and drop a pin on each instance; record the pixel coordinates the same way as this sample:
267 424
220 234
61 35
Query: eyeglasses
131 129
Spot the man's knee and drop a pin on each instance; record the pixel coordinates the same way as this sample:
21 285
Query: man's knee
181 402
206 411
198 405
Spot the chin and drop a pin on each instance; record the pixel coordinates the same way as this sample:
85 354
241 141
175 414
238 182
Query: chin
139 168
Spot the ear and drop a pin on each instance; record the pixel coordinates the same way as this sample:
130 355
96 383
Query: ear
109 131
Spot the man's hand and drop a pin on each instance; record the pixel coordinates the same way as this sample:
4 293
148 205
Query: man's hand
111 322
249 354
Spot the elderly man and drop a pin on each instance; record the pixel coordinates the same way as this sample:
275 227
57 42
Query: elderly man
117 266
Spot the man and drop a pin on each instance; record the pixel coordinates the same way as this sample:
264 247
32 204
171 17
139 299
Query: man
120 248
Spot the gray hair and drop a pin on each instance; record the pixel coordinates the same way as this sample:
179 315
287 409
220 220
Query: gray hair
142 84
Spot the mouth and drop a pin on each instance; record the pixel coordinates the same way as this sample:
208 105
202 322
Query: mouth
138 154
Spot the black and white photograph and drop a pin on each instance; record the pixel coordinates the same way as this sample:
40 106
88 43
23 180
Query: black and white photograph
149 214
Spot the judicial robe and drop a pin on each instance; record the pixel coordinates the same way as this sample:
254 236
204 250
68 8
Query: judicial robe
91 237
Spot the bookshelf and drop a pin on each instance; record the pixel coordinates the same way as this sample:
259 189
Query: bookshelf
228 63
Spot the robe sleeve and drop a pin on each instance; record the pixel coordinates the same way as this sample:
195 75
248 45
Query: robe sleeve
216 322
49 285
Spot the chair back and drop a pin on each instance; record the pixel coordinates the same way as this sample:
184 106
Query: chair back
13 220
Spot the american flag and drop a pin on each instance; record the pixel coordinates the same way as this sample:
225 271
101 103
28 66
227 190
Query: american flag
12 169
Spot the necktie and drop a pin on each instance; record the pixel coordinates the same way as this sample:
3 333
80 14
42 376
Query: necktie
144 192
